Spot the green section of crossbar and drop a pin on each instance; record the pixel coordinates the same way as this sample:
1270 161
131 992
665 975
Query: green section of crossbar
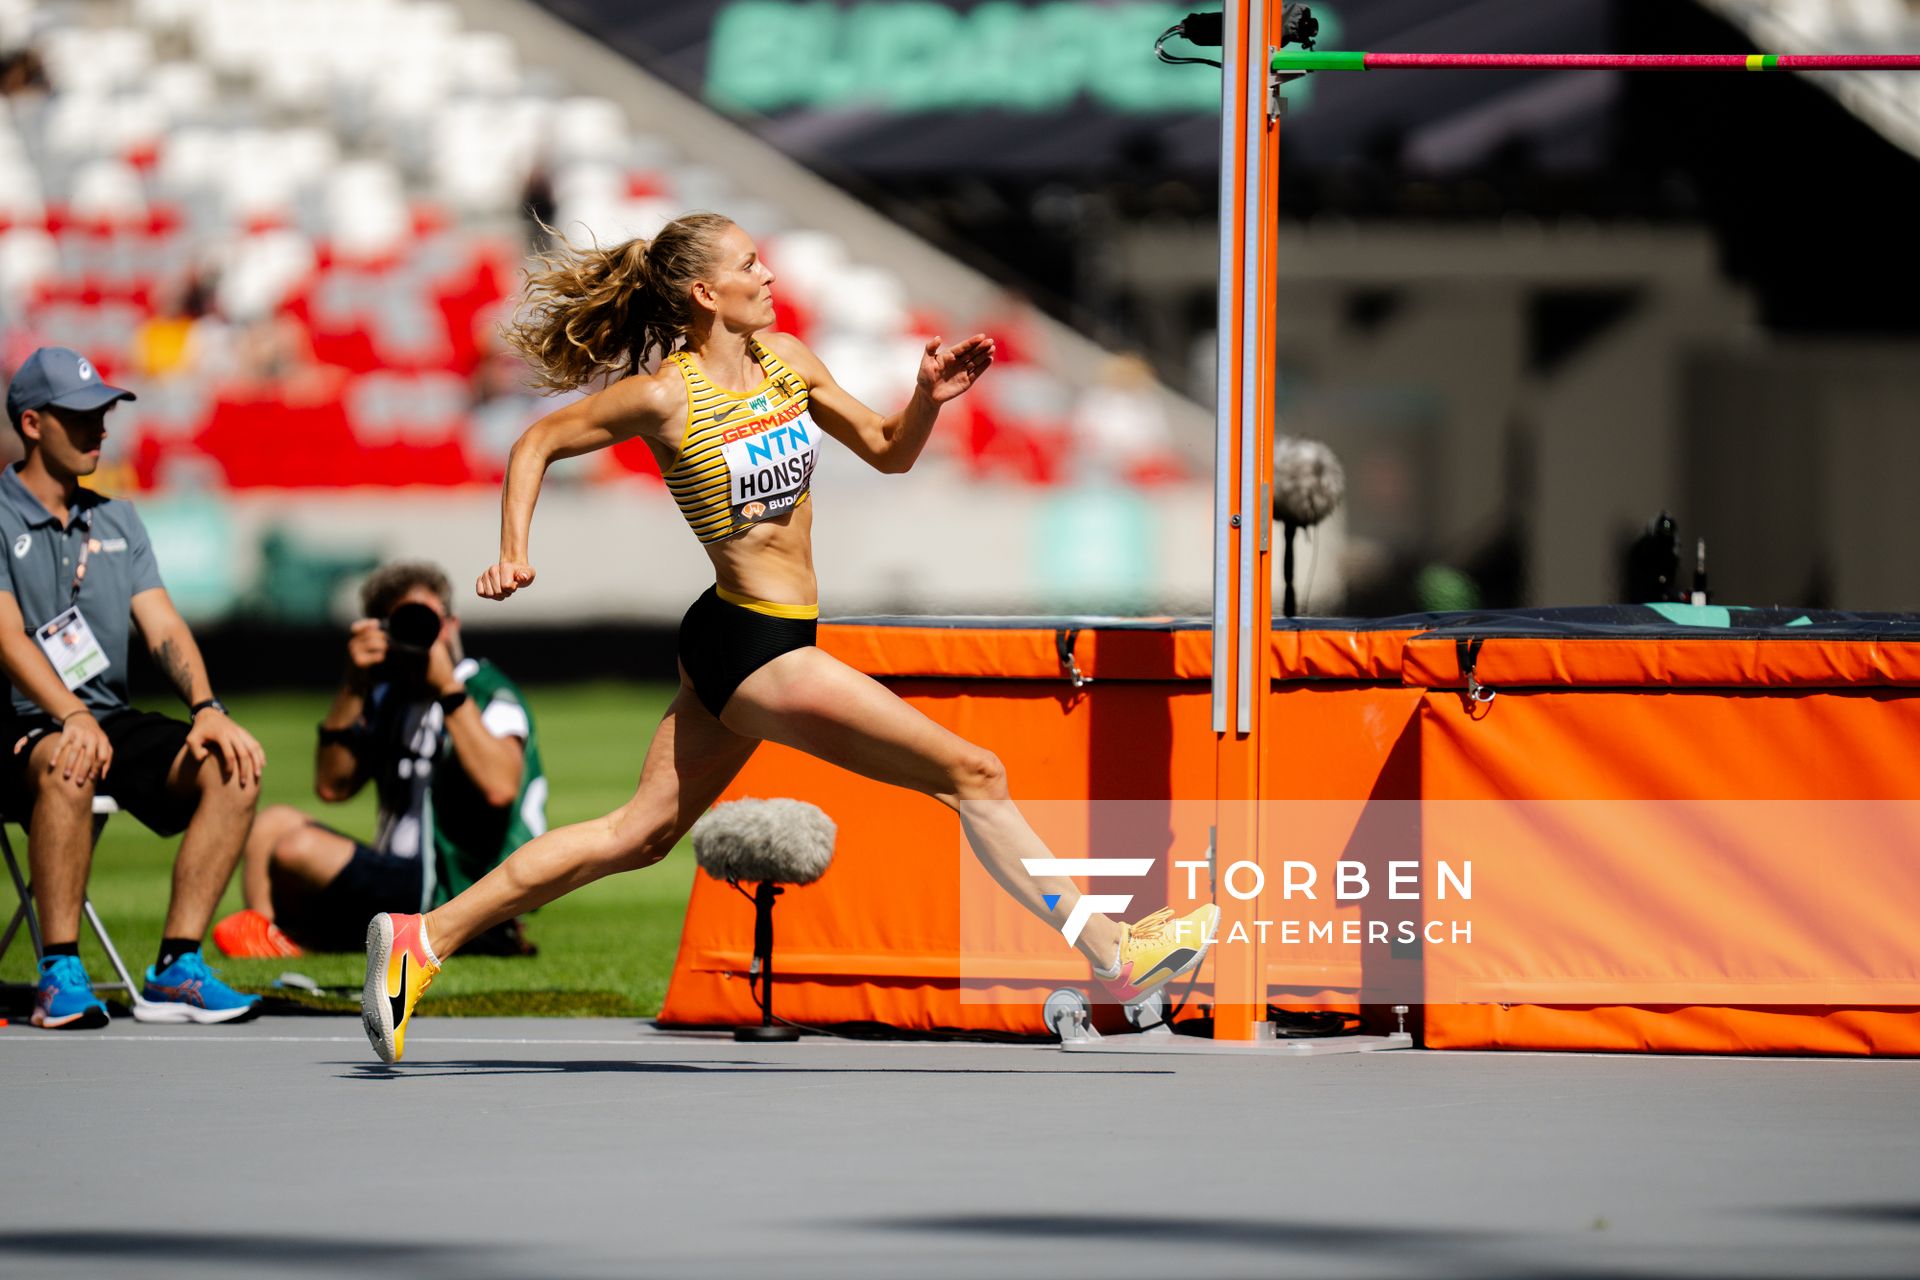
1308 60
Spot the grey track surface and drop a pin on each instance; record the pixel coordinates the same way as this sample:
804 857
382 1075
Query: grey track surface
507 1148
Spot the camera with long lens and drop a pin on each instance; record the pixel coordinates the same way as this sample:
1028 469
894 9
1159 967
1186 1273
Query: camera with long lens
411 631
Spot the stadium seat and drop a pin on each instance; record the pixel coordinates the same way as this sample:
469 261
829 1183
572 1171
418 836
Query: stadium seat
866 300
806 262
484 62
367 214
588 129
108 190
28 256
261 271
185 90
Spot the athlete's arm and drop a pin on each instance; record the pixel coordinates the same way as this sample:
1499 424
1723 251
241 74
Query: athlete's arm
887 443
630 408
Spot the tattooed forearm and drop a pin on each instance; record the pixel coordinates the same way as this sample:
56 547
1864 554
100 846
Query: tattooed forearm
173 664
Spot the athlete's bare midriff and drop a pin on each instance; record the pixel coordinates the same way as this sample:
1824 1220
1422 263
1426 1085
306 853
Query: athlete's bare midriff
772 561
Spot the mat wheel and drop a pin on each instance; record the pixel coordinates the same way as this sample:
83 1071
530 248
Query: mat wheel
1149 1010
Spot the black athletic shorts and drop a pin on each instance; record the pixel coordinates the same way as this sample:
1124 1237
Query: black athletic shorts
145 745
335 918
722 643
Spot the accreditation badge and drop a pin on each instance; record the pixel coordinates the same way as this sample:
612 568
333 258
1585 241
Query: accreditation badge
72 648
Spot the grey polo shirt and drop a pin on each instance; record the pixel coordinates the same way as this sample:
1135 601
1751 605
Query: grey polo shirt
41 556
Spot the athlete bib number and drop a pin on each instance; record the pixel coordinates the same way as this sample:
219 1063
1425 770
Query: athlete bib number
771 469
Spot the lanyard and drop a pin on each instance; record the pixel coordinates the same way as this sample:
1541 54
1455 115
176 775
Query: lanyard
86 549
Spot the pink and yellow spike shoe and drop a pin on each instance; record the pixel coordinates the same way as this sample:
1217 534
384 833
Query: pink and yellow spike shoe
1158 949
400 967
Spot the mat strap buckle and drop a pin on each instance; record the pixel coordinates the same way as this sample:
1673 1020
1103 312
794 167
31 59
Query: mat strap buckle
1063 644
1468 651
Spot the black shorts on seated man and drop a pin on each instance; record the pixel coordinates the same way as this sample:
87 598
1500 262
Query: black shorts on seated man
81 576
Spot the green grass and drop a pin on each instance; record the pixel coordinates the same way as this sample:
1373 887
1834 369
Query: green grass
605 950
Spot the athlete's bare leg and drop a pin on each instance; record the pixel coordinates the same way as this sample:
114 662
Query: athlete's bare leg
815 703
692 759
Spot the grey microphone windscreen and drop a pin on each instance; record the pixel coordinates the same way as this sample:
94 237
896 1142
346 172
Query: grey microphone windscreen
778 841
1308 481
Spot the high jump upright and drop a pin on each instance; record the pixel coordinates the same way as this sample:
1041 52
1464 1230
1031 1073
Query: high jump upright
1250 113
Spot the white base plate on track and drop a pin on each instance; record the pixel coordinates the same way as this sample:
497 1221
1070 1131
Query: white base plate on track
1266 1048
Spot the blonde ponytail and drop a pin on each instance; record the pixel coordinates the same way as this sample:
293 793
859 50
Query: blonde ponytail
596 313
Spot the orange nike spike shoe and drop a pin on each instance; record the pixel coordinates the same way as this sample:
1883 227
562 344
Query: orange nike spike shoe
1158 949
400 967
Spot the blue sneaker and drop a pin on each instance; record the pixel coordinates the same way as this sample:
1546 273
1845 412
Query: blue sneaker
64 996
190 992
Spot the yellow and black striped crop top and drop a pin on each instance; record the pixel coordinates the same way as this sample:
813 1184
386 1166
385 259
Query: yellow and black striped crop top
748 455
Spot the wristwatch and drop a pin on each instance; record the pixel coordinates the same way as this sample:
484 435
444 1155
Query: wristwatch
451 702
213 703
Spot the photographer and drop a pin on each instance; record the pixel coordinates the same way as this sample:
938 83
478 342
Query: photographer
449 746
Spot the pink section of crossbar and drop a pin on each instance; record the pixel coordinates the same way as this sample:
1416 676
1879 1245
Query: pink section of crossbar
1649 61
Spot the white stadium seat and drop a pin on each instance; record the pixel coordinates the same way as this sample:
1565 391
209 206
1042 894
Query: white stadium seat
110 190
485 62
589 129
806 262
367 213
866 300
27 255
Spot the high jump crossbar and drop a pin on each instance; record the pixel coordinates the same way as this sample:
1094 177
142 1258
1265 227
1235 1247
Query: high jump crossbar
1297 60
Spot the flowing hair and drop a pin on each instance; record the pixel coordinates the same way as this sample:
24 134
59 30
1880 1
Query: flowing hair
597 312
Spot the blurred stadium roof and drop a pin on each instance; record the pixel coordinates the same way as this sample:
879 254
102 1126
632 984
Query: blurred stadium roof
1888 102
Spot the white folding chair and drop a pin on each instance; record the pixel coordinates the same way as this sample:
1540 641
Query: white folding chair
104 807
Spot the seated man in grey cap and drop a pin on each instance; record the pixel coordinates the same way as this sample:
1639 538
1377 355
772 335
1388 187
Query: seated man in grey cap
80 575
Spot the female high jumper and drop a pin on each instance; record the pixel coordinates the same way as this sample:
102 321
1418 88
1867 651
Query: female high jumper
733 415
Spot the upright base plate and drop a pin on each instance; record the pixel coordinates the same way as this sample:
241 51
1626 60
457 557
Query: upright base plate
1267 1048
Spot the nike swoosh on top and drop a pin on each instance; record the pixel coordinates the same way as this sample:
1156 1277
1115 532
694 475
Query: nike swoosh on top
398 1004
1173 961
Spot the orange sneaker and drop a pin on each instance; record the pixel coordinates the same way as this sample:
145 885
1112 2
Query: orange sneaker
248 935
400 967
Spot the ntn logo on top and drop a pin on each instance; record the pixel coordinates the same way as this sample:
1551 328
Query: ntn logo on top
782 442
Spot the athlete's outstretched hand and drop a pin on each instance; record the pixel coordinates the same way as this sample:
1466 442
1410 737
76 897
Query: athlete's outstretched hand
946 374
505 578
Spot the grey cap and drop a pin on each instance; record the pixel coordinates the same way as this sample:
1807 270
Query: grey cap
61 377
